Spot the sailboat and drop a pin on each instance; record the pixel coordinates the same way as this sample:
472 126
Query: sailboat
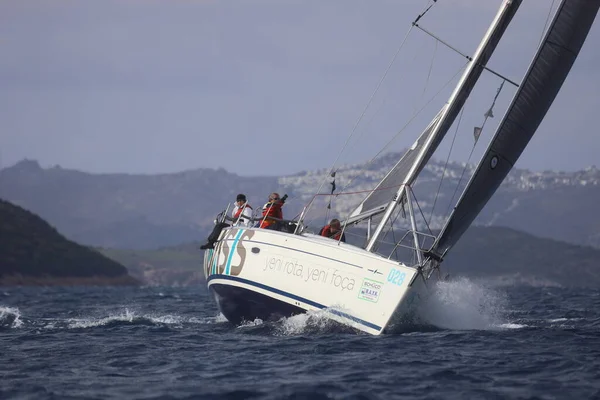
266 274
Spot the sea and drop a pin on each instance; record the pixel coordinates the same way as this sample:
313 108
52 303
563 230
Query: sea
474 341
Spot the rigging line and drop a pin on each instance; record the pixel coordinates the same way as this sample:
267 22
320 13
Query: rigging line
461 178
445 167
365 126
407 124
430 69
420 210
487 115
382 240
401 78
374 93
465 55
547 19
368 105
394 240
432 58
423 13
392 222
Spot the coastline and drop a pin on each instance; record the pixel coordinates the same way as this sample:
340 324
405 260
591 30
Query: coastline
45 280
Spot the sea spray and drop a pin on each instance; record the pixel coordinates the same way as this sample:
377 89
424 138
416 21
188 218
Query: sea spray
10 317
463 305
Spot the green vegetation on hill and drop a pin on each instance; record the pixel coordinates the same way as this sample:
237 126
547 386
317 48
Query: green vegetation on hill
33 252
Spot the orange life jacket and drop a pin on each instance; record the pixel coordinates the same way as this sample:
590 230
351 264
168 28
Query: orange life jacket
271 210
326 231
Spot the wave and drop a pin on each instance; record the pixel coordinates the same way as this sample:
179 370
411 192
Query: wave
311 322
11 318
128 317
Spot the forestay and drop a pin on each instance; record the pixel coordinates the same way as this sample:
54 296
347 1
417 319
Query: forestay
405 172
545 76
450 111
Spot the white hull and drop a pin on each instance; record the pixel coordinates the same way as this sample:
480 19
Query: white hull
258 273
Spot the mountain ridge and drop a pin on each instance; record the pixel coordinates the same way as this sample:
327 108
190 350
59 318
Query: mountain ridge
153 210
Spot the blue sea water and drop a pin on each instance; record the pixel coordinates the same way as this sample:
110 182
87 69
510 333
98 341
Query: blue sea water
479 342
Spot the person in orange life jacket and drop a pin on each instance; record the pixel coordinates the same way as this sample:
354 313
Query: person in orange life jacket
333 230
272 209
242 212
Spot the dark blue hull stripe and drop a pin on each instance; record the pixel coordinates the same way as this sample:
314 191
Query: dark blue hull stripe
293 297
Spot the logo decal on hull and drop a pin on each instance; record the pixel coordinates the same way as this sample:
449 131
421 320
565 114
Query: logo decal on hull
370 290
230 257
375 271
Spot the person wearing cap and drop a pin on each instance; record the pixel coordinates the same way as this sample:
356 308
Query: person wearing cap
242 212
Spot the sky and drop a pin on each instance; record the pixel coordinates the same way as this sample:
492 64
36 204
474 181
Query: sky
266 87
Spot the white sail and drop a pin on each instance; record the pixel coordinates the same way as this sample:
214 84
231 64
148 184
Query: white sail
543 80
376 201
439 128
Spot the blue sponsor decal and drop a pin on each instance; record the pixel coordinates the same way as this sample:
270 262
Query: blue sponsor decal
396 277
370 290
232 250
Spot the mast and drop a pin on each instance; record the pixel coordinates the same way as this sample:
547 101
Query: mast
540 85
452 108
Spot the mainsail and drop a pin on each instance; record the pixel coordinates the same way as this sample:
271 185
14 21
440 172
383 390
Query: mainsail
546 74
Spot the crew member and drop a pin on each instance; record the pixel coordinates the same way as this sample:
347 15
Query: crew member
272 210
333 230
242 212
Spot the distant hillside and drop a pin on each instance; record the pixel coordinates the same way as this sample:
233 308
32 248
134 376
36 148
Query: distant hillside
169 266
127 211
500 254
149 211
33 252
516 257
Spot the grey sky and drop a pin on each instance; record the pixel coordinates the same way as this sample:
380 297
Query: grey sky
261 87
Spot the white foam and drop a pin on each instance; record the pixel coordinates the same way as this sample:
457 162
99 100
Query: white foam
167 319
564 319
512 326
558 320
246 324
319 320
11 315
220 318
464 305
75 323
131 316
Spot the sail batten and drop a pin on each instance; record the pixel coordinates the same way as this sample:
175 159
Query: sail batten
544 78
